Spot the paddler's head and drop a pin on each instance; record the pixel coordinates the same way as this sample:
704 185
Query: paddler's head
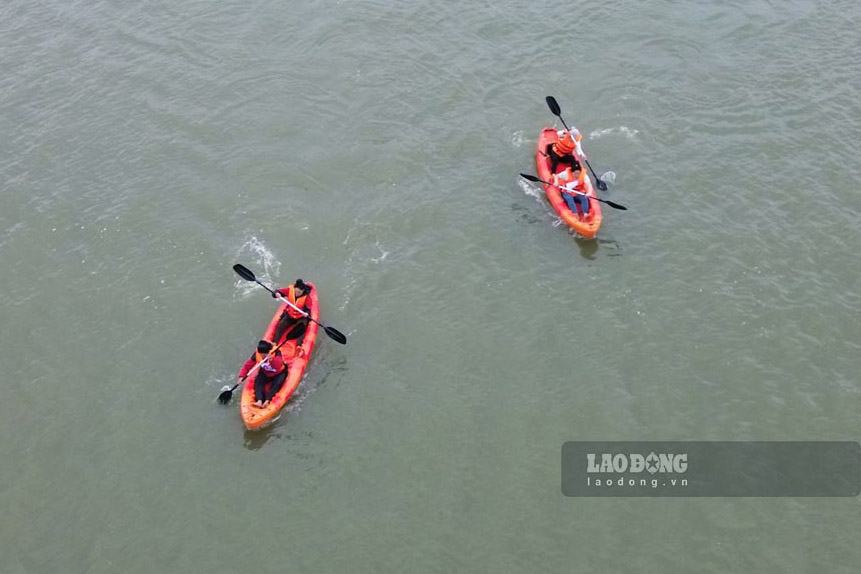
264 346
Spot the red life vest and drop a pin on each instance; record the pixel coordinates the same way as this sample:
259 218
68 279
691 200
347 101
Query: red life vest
299 302
265 365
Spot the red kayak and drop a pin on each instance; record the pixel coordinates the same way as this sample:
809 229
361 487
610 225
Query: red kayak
587 225
296 358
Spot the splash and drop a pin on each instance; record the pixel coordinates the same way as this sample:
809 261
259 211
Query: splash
528 189
629 133
598 133
383 253
256 255
365 247
609 176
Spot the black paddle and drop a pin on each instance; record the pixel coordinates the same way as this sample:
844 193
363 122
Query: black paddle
227 394
334 334
610 203
557 111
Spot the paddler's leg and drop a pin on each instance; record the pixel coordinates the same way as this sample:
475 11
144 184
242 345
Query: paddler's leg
277 381
283 324
297 330
570 201
260 381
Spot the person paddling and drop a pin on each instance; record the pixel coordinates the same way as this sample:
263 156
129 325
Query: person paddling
272 371
562 151
569 182
291 319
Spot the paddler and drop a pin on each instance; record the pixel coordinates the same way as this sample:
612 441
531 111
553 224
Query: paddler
291 319
570 183
272 371
564 148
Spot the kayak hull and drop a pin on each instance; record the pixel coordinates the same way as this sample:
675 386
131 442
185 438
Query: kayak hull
586 226
256 418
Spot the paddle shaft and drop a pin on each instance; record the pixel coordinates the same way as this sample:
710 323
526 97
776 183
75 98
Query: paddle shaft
570 191
573 191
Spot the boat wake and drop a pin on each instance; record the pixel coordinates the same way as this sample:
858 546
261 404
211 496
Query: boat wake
365 251
538 194
629 133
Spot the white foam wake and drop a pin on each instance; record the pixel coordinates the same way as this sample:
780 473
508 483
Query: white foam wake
629 133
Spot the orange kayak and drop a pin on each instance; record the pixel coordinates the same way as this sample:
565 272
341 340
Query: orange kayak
586 226
296 359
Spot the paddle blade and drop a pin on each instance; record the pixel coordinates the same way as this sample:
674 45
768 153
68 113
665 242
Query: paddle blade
553 105
530 177
601 185
225 396
336 335
244 272
616 205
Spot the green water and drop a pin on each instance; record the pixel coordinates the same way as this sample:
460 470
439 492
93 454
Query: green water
374 148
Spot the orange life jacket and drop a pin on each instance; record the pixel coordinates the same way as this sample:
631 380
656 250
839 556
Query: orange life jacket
300 302
566 144
567 176
265 365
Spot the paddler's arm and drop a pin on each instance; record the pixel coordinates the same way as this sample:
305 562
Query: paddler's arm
246 367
